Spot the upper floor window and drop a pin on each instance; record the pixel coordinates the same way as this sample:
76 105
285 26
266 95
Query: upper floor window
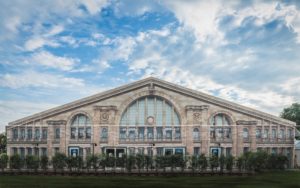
81 120
44 134
196 134
81 127
104 133
274 133
22 133
258 133
15 133
57 133
29 133
220 120
245 133
37 134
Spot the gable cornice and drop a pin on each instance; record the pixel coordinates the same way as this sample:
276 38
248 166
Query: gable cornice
151 81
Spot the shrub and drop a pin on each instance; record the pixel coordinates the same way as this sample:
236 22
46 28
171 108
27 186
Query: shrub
202 162
59 161
32 162
214 162
16 162
3 161
44 162
222 162
229 162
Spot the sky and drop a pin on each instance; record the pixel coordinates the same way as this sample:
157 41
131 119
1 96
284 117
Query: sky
54 52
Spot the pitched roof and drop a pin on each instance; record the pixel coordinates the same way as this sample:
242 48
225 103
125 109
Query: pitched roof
156 82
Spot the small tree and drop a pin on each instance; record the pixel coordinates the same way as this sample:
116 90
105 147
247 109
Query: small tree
16 162
140 162
111 162
229 162
59 161
32 162
158 162
3 161
194 162
202 162
148 162
222 162
240 163
44 162
214 162
130 162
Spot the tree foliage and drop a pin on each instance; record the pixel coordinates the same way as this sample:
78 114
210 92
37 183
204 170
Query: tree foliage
3 143
292 113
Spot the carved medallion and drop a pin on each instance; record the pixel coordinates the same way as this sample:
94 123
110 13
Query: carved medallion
104 117
197 117
150 120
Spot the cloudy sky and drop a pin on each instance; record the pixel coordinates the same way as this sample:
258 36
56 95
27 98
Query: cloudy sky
54 52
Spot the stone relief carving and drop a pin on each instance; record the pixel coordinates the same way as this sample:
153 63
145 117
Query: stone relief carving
56 122
243 122
106 113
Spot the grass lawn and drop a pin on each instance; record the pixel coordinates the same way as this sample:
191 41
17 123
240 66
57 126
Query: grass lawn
275 179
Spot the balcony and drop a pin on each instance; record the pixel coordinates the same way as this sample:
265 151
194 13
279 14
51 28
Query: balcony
223 140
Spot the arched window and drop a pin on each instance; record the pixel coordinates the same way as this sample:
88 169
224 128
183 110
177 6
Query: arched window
149 115
196 134
245 134
81 127
220 127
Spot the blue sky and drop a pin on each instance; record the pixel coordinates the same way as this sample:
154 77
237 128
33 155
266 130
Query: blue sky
54 52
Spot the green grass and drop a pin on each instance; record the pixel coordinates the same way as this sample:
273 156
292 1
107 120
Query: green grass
273 180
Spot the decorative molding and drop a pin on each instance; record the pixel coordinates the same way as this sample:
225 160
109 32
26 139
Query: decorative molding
197 118
106 113
56 122
196 108
243 122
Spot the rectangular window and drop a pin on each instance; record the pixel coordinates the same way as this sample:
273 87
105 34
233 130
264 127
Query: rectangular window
22 134
290 133
228 151
150 133
36 152
57 133
258 133
150 151
88 133
88 151
122 133
141 151
177 133
29 134
159 151
169 134
104 134
246 149
44 151
274 133
197 151
44 134
73 133
29 151
15 151
141 133
22 153
281 135
56 150
15 134
266 133
80 133
159 133
37 134
131 151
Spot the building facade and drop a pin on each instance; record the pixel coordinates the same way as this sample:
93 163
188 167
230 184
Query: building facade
152 117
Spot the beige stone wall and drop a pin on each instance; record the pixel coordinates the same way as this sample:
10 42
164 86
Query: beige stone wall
193 112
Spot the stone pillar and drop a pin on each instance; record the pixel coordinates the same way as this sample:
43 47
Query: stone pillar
234 140
252 136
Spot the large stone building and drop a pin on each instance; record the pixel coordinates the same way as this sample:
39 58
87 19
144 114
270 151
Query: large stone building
153 117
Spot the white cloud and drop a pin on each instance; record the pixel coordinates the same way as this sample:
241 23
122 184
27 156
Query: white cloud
11 110
39 80
47 59
38 42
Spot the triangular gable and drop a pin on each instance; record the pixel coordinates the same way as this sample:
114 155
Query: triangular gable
155 82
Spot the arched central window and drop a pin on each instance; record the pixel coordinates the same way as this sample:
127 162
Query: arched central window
81 127
149 115
220 127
